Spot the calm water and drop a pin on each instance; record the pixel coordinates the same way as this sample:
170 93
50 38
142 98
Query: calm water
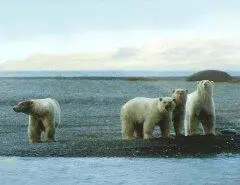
120 171
100 73
93 73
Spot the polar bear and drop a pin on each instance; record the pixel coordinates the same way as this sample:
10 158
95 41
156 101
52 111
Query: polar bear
200 108
140 115
44 116
180 95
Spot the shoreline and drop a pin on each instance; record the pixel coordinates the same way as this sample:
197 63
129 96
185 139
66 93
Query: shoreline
184 146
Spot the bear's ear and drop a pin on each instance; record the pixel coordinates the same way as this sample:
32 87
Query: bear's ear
160 99
29 102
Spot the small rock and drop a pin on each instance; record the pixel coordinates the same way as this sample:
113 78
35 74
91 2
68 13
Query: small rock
229 131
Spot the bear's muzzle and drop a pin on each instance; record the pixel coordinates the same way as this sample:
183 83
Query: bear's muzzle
168 107
15 108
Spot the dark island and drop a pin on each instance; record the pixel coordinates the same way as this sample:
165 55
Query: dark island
213 75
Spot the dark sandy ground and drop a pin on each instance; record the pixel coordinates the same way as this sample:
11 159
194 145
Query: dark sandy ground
86 146
91 124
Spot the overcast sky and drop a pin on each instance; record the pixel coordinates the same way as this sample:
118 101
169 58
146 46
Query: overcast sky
68 26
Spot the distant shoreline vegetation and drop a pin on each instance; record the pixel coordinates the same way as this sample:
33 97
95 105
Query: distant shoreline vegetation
130 75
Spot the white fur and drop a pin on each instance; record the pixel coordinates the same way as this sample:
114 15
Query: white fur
200 108
47 111
140 115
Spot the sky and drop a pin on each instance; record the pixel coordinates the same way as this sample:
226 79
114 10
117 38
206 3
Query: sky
68 27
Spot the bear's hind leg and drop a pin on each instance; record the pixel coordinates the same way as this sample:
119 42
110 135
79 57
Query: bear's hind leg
127 130
138 131
49 129
49 134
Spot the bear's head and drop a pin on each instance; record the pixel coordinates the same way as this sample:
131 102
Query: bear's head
166 104
205 87
25 107
180 95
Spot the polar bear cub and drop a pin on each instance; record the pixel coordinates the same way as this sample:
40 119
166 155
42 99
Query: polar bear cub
140 115
200 108
44 116
180 95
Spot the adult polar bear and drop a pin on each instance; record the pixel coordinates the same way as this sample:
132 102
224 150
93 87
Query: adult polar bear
44 116
140 115
200 108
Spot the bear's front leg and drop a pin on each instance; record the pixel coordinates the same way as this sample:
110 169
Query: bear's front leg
178 123
165 128
193 125
34 131
208 124
148 129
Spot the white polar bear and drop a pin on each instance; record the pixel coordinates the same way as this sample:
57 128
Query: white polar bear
200 108
44 116
179 111
140 115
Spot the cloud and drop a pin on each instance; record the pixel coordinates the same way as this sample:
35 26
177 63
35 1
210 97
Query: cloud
125 52
92 41
172 54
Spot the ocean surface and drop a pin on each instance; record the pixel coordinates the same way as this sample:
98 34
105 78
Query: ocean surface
101 73
92 73
219 170
91 106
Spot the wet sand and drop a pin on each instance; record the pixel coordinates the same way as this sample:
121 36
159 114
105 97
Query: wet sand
85 145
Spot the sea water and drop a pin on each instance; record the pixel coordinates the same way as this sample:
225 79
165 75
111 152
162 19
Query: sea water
221 169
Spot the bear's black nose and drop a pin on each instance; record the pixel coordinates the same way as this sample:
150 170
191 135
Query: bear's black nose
14 108
168 106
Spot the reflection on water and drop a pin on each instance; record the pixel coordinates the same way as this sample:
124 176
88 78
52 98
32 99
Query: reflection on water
221 169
